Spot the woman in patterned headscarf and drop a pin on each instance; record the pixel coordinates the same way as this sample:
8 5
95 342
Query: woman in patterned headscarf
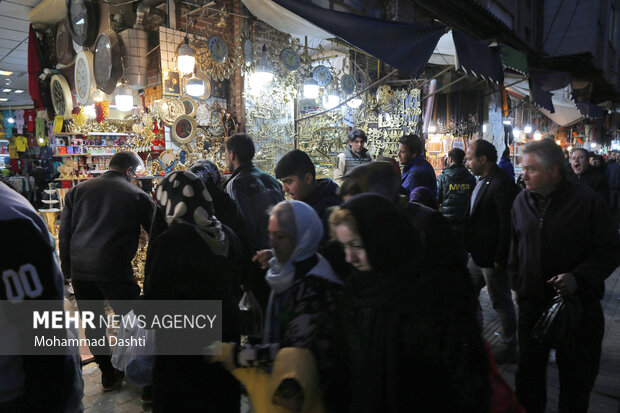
192 256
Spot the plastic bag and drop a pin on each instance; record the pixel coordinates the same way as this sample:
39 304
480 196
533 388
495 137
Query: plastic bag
123 357
252 318
557 325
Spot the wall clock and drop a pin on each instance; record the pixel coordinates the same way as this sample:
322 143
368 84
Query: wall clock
107 61
348 84
248 52
184 129
218 49
83 17
290 59
322 75
64 43
61 96
84 77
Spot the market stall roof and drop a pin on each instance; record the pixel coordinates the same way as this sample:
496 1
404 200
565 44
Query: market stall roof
405 46
514 59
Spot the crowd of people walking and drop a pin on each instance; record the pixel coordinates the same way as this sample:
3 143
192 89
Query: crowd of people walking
369 284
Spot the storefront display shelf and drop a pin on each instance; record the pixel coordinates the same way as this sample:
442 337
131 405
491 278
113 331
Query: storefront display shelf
69 154
107 134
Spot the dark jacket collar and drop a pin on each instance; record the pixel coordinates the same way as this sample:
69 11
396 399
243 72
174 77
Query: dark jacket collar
413 162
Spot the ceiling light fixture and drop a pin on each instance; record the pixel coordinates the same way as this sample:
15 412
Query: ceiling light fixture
5 73
186 59
6 90
124 98
19 91
264 71
3 99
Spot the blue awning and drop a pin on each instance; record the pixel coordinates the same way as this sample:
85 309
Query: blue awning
589 110
477 58
541 97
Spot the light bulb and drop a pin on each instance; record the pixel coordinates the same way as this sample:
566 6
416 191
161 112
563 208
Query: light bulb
593 144
11 120
123 99
570 148
185 58
558 142
484 128
432 129
41 140
90 112
98 96
537 135
195 87
311 89
516 132
354 103
527 129
331 101
264 72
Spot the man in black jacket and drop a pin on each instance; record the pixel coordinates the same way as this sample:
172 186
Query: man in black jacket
454 188
99 234
488 239
563 241
586 174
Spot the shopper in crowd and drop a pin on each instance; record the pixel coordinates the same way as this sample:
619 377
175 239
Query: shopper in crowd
40 183
423 196
30 383
544 261
506 165
585 174
192 256
99 234
255 192
597 162
354 155
413 336
488 239
304 304
298 176
431 227
416 170
613 177
224 207
454 187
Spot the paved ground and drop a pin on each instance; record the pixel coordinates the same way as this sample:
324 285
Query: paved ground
605 397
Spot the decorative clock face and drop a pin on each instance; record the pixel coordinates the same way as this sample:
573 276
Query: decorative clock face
61 96
322 75
84 80
290 59
107 61
83 21
64 44
348 84
218 49
248 52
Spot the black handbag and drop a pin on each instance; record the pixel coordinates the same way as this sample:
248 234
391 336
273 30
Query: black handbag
558 323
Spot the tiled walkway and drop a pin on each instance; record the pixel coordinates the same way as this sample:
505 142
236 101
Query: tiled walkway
605 397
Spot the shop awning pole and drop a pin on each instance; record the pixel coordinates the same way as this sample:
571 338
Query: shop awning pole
444 87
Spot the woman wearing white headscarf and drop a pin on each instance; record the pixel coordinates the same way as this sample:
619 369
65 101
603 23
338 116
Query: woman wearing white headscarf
304 301
192 256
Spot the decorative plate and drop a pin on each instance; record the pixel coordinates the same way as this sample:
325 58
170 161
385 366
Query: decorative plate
218 49
169 109
290 59
61 96
348 84
84 77
64 43
184 129
190 105
83 19
107 61
167 160
248 52
322 75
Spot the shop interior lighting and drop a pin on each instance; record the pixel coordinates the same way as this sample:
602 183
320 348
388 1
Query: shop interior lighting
3 99
516 132
186 58
354 103
570 148
124 98
527 129
432 129
90 112
484 128
592 144
195 86
19 91
264 71
558 142
537 135
507 122
6 90
331 98
5 73
311 88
